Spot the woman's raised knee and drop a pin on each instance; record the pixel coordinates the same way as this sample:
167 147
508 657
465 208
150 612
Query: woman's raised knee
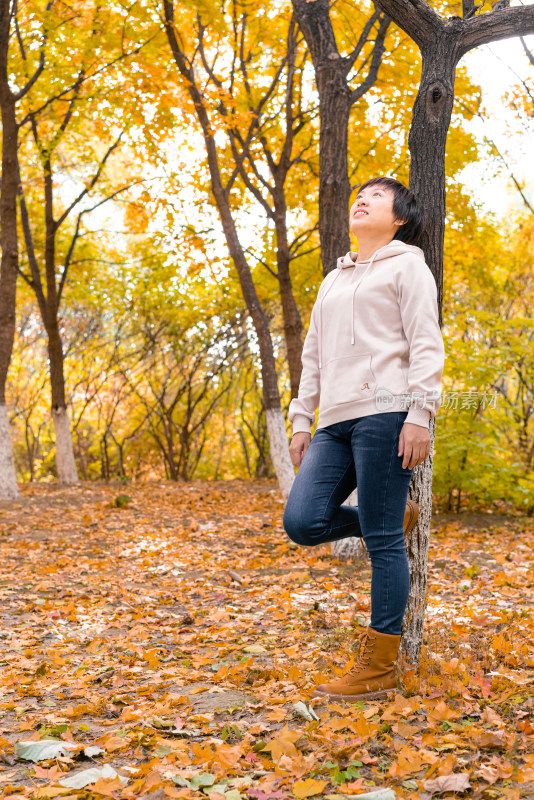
298 526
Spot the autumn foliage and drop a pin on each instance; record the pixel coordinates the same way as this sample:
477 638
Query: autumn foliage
129 305
169 638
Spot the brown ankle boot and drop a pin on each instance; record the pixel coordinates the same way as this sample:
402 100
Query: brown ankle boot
373 677
410 515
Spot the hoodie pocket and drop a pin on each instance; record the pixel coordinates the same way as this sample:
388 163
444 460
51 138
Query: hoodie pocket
346 380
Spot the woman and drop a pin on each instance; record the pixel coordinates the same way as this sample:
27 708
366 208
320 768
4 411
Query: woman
372 361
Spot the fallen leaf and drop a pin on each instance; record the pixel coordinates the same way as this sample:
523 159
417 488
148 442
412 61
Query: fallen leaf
457 782
308 788
82 779
44 749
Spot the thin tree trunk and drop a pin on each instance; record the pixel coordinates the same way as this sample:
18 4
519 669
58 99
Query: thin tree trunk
66 465
417 549
104 457
245 450
293 327
9 245
30 449
335 104
279 449
427 141
283 468
8 483
65 461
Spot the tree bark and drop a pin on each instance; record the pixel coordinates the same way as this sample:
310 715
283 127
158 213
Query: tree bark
9 245
417 548
66 465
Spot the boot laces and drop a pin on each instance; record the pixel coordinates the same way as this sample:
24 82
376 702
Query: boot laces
365 653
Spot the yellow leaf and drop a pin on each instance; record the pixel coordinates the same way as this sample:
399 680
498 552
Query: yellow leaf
405 730
283 744
441 713
308 788
107 787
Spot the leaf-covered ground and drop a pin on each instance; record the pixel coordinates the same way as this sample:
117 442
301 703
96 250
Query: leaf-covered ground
170 643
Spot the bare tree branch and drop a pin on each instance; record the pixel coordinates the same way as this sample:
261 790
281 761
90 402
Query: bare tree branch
92 182
40 67
351 58
376 60
530 56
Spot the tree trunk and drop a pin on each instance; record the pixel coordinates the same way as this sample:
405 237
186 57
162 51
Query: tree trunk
30 449
8 483
66 465
65 461
9 246
417 549
427 141
290 313
335 104
283 467
334 184
279 448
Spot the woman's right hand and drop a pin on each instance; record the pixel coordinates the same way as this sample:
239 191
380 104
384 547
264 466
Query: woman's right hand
297 449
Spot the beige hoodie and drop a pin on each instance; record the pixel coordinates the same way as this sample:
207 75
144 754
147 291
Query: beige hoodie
374 342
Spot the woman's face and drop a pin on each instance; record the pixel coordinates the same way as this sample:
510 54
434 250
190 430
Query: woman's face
372 212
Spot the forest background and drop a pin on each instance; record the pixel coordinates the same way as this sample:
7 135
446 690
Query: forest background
159 357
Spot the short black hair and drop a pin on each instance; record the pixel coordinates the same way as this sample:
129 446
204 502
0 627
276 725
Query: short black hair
405 207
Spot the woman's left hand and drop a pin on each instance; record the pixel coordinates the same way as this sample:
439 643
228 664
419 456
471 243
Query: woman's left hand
414 444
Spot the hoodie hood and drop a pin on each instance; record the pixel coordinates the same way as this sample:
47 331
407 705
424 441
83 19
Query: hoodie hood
393 248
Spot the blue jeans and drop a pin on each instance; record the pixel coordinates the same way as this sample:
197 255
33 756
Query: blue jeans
359 452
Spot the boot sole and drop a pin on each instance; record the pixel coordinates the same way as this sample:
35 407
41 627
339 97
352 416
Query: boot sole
383 694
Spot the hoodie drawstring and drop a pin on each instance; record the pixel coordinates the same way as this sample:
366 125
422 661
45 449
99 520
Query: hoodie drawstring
370 264
394 248
321 320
